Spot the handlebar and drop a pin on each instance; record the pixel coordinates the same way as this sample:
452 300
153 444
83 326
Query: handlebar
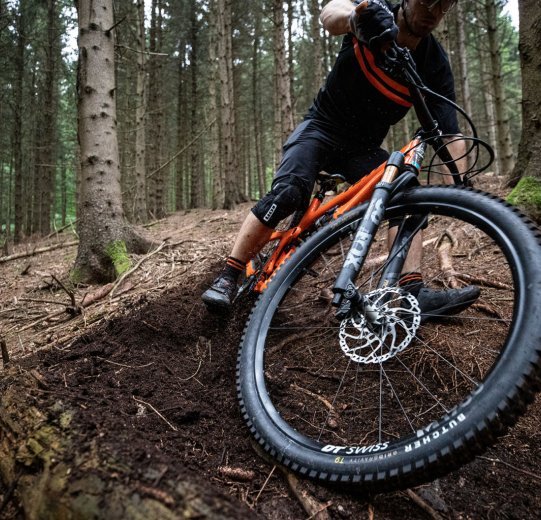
399 63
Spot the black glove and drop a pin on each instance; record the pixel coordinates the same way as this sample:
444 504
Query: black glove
374 24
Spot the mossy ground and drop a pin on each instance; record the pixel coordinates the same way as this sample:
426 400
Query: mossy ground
527 196
118 253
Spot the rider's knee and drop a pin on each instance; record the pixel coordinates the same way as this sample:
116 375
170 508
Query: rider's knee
283 199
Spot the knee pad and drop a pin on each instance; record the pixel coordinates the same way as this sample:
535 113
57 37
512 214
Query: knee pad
283 199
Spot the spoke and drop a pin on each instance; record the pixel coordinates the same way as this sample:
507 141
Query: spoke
443 358
398 399
334 400
423 386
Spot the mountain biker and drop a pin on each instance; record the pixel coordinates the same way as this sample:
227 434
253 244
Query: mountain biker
345 127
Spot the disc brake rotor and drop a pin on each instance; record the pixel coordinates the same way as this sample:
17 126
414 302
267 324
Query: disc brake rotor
377 340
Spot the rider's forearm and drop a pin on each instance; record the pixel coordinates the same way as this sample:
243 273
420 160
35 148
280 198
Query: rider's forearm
335 16
457 149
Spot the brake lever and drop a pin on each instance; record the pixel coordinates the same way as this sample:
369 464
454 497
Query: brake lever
398 62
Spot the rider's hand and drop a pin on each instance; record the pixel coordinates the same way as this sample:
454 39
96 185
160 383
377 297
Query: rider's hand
372 23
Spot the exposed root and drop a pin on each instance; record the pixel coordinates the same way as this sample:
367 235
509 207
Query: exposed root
311 505
445 245
424 505
333 415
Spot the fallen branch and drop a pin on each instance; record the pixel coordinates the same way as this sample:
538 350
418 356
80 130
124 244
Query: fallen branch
424 505
244 475
498 461
484 282
156 412
333 415
37 251
5 353
102 292
154 222
313 507
59 230
264 484
36 300
67 291
122 364
41 320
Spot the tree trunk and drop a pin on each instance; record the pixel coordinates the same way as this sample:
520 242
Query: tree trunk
502 120
155 135
290 54
284 122
196 174
18 123
463 64
179 174
105 237
218 194
487 95
227 109
315 33
528 168
256 110
139 198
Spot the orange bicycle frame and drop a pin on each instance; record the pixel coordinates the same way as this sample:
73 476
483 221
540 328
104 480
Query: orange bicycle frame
356 194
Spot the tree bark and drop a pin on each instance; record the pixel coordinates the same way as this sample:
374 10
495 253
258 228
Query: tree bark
502 119
486 94
527 193
283 118
196 199
156 134
139 199
105 237
315 33
256 110
180 195
18 124
218 193
227 109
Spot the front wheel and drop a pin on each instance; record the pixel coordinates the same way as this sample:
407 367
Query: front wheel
400 401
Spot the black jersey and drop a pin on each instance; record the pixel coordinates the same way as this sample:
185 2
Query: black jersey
360 101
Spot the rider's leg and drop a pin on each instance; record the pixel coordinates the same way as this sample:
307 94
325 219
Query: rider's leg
432 303
304 155
253 235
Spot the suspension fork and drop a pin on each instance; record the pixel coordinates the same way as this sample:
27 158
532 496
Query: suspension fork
344 286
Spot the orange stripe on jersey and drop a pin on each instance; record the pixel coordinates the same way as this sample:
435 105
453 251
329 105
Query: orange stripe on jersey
387 79
377 83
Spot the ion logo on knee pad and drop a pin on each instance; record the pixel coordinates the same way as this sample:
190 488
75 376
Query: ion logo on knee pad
269 213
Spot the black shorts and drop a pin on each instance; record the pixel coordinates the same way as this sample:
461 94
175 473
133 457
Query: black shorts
312 148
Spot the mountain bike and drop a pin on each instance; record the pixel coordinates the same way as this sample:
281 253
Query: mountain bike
340 377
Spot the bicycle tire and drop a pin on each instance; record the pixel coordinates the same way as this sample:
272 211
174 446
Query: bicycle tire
480 408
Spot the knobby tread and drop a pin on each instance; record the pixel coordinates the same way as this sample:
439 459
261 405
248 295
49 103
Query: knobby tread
456 453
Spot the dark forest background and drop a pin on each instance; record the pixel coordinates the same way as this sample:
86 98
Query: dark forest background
206 93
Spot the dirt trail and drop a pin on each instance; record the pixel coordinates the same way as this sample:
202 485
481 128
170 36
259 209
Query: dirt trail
153 380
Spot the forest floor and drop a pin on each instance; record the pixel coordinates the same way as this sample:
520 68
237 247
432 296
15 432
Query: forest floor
152 375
